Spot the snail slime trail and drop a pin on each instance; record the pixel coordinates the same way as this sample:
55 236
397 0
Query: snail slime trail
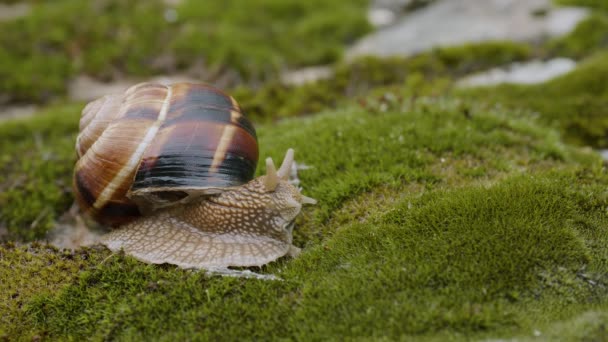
171 168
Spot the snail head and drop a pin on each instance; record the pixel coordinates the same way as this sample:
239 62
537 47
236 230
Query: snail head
286 198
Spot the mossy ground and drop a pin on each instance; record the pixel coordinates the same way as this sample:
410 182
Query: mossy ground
480 227
428 73
241 40
440 217
577 103
36 159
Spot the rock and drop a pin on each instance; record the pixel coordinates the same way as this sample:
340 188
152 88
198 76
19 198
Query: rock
379 17
521 73
17 112
306 75
455 22
14 11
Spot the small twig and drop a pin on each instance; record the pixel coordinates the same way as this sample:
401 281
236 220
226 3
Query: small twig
42 213
108 257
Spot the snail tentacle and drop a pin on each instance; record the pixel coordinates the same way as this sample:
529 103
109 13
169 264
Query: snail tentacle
308 200
287 164
272 179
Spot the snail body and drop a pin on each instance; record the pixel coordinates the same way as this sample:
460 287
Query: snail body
171 169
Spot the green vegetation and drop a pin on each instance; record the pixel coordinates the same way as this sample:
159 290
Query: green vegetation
590 36
52 135
462 262
36 162
294 33
443 214
26 271
465 234
424 74
595 4
577 103
108 38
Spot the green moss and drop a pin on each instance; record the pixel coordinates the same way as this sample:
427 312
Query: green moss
462 260
36 172
449 256
597 4
589 36
36 159
258 39
468 262
576 102
425 74
390 143
437 219
105 39
26 271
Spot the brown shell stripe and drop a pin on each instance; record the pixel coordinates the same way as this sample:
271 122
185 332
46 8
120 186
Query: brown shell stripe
134 161
225 140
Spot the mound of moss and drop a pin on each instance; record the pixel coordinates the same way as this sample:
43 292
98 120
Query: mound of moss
436 218
577 102
38 156
589 37
439 218
463 262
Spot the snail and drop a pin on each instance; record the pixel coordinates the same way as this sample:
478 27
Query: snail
170 168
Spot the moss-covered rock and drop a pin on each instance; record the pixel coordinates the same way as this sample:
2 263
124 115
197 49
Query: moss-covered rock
41 167
576 102
460 261
479 227
439 218
428 73
589 37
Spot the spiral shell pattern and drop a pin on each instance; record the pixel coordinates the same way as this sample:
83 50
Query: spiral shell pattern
157 144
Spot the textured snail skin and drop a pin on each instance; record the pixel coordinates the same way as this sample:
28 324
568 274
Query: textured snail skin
244 226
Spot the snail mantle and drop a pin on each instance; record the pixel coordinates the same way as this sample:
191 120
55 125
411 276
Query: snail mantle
170 168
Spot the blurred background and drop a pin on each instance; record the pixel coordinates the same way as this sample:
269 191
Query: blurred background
49 48
78 50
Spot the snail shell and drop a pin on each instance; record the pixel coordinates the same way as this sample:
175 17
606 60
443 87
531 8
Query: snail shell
144 152
155 146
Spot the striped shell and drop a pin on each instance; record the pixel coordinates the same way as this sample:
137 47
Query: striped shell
156 145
